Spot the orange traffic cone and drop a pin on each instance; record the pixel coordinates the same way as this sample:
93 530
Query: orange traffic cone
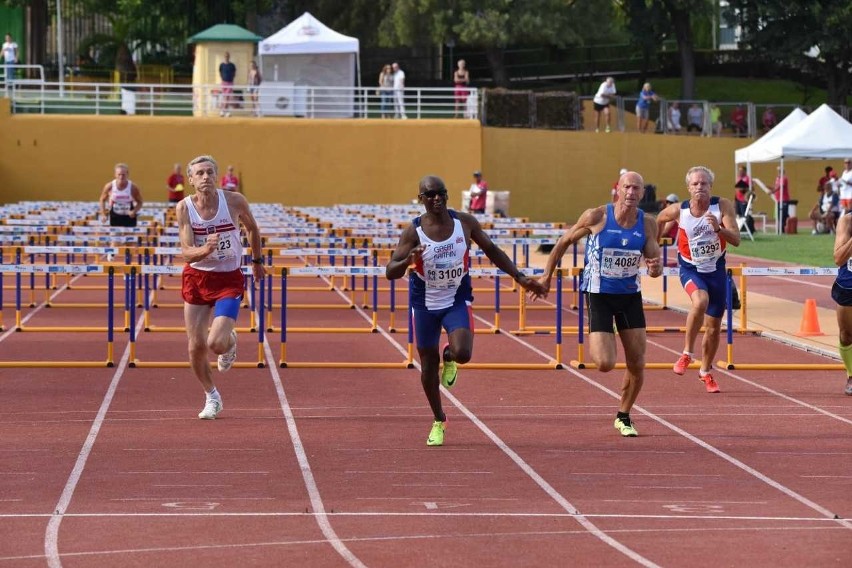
810 320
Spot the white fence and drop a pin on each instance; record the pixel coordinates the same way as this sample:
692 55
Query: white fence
44 97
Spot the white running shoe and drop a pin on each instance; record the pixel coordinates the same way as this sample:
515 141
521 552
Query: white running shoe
211 409
226 360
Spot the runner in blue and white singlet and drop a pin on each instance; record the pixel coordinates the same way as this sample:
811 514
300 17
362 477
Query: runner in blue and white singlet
618 237
841 293
613 256
435 250
440 278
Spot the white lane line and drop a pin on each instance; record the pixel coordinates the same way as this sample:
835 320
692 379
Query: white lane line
455 534
406 472
195 472
515 457
51 537
304 465
444 513
764 388
727 457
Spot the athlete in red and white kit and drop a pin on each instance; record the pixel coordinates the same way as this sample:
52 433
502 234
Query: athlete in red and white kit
212 282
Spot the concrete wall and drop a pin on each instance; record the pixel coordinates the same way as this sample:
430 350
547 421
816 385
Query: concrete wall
553 175
292 161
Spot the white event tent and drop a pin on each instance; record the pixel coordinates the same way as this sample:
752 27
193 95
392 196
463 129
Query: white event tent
309 69
823 134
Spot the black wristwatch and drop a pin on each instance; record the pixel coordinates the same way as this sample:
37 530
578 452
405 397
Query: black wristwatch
257 260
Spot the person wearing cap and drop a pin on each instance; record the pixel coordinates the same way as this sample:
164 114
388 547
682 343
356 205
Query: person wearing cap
707 225
478 193
618 235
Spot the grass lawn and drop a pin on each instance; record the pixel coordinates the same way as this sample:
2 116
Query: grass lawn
803 249
760 91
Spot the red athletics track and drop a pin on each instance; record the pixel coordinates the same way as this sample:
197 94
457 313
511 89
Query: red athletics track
328 467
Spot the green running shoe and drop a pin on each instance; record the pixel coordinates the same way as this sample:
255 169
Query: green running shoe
625 427
436 436
450 372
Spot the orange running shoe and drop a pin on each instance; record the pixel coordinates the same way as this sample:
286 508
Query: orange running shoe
710 383
682 364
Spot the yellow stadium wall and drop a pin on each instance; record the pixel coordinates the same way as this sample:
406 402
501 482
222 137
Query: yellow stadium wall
555 175
552 175
291 161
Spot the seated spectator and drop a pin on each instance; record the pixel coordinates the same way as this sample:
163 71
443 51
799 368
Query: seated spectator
673 123
738 121
715 120
695 118
769 120
825 211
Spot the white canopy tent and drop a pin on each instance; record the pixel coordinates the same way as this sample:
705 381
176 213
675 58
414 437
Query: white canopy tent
309 69
823 134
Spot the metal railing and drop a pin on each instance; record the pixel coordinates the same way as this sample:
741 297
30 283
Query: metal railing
751 126
269 99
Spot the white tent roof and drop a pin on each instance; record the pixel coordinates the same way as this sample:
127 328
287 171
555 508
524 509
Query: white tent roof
758 150
306 34
824 134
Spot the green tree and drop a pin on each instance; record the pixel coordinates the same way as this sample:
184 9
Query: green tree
493 25
812 35
670 18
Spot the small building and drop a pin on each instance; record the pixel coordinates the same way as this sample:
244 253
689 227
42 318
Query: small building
210 48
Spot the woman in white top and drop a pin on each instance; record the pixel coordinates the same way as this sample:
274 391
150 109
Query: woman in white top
603 98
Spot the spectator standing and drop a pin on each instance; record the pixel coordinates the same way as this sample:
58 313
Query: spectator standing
434 250
845 185
781 194
768 120
674 118
601 101
478 193
738 121
715 120
695 118
398 92
742 186
707 224
643 107
841 292
230 182
174 185
227 73
461 80
10 57
618 236
385 91
212 282
254 81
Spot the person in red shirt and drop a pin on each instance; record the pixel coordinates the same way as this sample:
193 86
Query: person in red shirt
478 193
738 121
230 182
781 193
742 186
829 175
175 185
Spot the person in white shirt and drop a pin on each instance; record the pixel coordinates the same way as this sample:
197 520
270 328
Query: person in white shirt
603 98
10 57
398 91
845 185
